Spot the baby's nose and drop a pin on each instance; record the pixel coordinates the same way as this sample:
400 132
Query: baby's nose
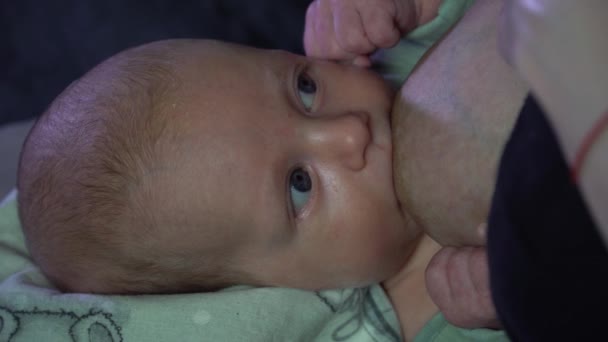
343 138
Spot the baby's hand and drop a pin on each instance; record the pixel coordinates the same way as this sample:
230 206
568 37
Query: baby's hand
458 282
353 29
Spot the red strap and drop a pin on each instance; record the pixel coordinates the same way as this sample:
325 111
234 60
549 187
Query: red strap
588 141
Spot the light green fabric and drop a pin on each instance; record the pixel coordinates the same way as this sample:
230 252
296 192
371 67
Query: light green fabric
439 330
361 315
396 63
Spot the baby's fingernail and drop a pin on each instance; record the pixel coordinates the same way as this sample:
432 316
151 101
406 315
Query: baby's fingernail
362 62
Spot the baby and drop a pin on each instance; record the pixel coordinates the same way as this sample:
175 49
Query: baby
191 165
194 165
186 166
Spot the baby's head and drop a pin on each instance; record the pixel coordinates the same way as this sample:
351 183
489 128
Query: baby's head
192 165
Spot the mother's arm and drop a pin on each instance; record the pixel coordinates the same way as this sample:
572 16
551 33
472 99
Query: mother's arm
560 48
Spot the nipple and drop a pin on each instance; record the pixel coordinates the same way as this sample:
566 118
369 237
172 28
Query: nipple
482 230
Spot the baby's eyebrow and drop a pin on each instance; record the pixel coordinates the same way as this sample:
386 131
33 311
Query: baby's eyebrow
280 75
282 71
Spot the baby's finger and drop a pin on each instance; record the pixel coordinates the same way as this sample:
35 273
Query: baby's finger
380 27
349 31
319 38
315 22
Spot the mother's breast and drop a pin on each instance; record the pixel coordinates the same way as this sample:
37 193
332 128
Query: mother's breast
450 122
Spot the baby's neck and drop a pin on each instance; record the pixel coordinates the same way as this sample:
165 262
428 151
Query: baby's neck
407 290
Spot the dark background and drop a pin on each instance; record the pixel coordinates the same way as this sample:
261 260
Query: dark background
46 44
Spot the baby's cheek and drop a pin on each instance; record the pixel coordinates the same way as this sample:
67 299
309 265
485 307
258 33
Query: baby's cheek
285 132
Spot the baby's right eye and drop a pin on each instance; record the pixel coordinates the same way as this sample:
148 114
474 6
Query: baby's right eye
307 89
300 186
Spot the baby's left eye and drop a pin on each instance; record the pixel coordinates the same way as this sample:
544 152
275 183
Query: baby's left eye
300 186
307 89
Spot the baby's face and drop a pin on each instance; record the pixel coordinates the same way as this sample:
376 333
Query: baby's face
286 164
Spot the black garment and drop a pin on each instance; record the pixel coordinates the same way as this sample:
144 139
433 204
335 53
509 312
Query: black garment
548 265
